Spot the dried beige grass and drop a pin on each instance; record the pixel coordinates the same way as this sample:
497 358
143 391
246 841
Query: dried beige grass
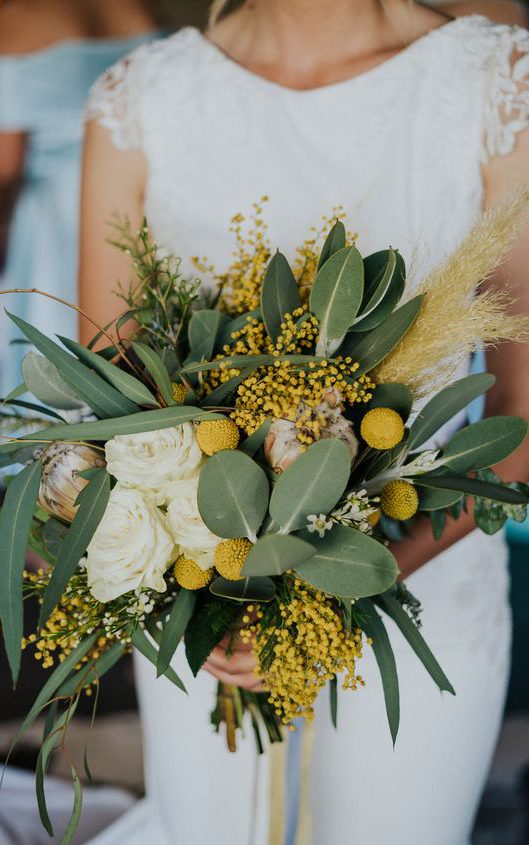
459 314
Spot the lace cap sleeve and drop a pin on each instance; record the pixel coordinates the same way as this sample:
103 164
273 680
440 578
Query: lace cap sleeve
507 95
115 98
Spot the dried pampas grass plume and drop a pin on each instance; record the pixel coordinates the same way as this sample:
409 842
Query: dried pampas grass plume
459 314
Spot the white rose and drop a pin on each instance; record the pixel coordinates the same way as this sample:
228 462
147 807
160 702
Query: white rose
189 530
152 459
131 547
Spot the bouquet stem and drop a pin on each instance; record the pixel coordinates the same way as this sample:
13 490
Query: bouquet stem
231 705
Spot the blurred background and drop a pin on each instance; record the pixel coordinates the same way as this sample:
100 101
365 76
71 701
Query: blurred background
50 53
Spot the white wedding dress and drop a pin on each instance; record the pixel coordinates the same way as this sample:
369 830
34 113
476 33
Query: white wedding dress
400 147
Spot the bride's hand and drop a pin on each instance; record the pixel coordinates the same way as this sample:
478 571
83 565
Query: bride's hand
236 668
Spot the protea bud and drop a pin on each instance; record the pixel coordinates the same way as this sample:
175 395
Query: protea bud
282 446
342 429
61 482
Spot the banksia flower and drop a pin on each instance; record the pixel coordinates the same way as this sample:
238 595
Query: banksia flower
230 556
190 575
61 482
382 428
215 435
399 499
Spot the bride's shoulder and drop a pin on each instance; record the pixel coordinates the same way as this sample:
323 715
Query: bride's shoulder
490 62
140 81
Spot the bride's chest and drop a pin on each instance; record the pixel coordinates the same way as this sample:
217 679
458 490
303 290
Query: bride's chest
404 168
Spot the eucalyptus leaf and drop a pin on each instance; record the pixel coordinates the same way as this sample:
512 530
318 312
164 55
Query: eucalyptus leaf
254 442
91 510
333 700
336 295
204 332
59 675
224 391
235 325
15 523
73 823
431 499
106 429
446 404
375 629
473 487
86 384
174 629
128 385
484 443
156 367
348 563
410 631
384 285
16 392
392 395
279 294
335 240
370 348
141 641
42 379
233 495
245 589
274 554
312 484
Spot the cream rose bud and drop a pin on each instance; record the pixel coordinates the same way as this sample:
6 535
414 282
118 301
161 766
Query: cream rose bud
131 547
152 459
189 530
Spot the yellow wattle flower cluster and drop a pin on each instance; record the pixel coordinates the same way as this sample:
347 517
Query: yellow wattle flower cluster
241 284
286 391
74 618
309 649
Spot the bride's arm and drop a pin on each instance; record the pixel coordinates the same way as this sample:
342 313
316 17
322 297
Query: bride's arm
509 362
112 183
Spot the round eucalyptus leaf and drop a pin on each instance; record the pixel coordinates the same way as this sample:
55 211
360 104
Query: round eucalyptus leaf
274 554
313 483
233 495
349 563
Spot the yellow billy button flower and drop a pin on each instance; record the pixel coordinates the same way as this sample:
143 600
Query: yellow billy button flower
215 435
382 428
179 392
230 556
190 575
399 499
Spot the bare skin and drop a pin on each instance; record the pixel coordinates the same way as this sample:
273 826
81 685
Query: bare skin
298 44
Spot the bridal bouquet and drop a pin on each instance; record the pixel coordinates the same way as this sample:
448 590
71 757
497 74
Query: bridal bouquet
237 467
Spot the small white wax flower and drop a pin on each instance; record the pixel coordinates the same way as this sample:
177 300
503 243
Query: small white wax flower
318 524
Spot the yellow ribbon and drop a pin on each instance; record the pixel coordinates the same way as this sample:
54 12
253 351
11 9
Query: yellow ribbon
277 789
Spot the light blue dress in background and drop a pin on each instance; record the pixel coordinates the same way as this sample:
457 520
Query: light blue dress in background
42 94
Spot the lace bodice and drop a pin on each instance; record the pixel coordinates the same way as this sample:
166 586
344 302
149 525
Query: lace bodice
400 146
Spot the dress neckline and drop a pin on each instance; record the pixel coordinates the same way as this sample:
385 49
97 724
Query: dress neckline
378 69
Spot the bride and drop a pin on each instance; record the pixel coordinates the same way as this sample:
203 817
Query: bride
413 123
